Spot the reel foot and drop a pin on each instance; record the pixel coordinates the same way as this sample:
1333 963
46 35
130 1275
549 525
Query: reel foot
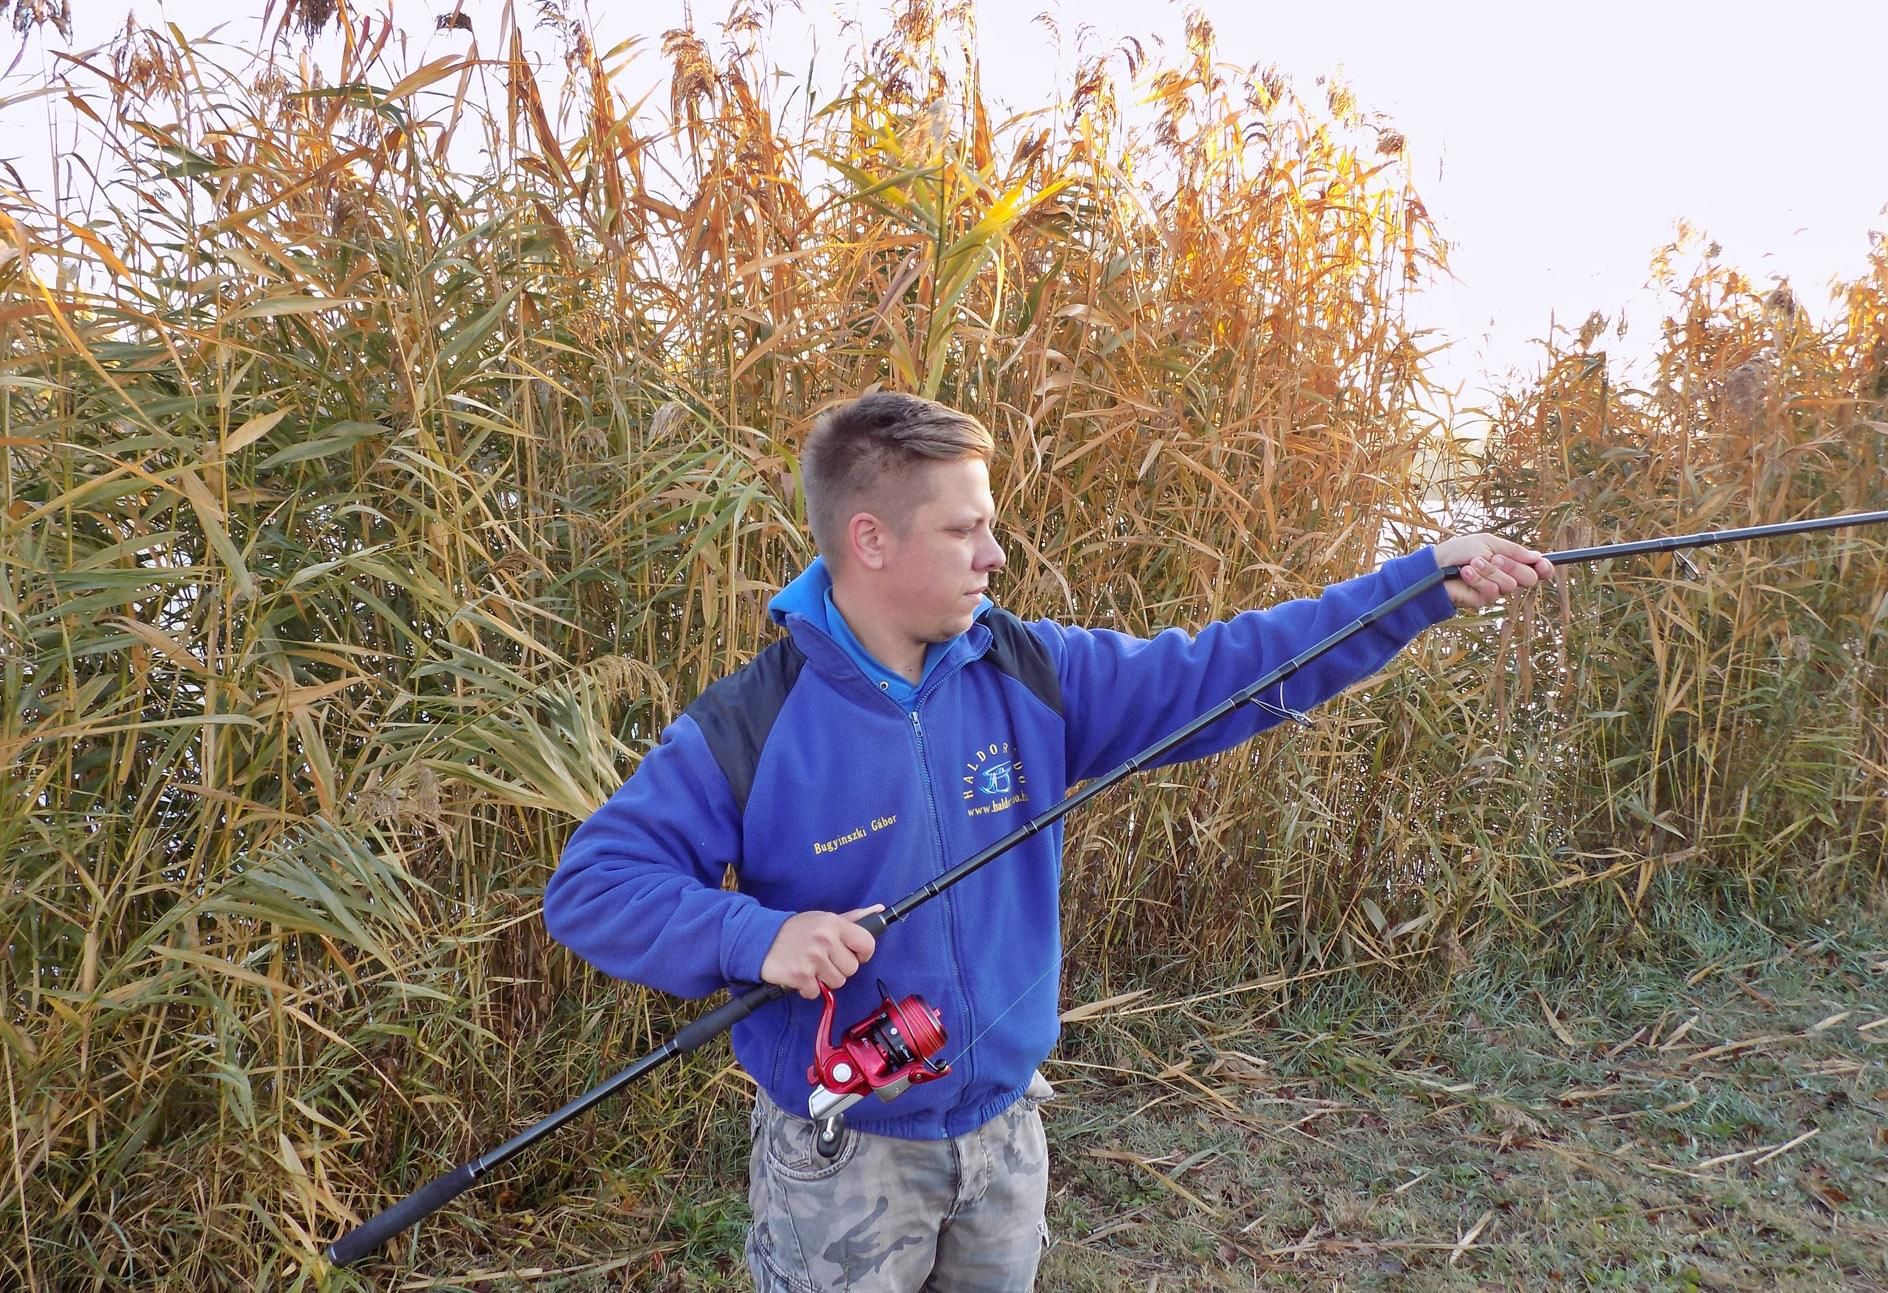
830 1135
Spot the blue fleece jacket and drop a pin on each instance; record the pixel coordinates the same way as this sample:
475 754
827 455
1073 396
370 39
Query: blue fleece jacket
825 794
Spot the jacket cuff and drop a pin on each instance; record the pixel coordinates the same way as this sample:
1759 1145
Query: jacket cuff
747 935
1433 607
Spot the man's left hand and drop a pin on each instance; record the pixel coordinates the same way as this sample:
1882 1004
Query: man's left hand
1491 568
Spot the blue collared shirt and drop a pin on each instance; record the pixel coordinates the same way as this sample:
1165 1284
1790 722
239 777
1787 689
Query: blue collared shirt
890 682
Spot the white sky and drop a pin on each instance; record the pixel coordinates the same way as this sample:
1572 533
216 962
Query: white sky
1556 145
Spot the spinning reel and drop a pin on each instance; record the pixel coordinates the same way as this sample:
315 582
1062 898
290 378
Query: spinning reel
883 1054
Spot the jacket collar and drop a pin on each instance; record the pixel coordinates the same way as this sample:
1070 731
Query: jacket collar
800 608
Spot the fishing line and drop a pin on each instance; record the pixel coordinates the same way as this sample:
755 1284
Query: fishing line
368 1236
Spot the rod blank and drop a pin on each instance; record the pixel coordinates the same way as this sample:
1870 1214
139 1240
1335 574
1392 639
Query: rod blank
1706 537
369 1235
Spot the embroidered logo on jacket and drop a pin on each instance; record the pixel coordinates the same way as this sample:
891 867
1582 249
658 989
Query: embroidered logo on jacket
993 780
996 779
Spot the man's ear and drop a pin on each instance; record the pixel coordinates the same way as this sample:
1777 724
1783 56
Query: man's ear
866 538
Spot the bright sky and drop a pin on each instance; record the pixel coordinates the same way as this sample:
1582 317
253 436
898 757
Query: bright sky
1557 146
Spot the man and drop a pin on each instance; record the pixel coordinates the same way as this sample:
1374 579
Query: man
902 723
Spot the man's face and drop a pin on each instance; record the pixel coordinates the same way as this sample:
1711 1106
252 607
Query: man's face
941 561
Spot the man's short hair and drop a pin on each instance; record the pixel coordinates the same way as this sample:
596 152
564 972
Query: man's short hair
862 456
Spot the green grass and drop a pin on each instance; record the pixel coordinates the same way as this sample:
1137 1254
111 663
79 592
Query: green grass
1372 1138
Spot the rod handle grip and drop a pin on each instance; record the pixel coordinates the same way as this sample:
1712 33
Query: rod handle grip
725 1016
375 1231
741 1005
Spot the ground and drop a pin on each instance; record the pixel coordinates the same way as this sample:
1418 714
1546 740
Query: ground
1723 1127
1715 1117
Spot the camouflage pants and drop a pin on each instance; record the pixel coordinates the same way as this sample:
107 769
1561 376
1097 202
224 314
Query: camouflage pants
945 1216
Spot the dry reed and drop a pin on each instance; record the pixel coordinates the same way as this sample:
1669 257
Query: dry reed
366 511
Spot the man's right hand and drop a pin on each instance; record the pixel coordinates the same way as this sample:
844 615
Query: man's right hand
818 947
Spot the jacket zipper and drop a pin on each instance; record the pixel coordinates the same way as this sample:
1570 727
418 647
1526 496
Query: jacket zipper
950 907
937 837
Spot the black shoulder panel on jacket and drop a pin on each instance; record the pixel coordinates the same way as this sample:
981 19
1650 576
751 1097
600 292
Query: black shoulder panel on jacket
1021 655
736 714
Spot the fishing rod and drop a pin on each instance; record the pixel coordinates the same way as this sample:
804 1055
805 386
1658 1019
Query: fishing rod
892 1049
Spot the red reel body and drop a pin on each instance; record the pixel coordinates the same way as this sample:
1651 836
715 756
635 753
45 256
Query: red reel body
883 1054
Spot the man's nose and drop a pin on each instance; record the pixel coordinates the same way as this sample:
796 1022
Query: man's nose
991 558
